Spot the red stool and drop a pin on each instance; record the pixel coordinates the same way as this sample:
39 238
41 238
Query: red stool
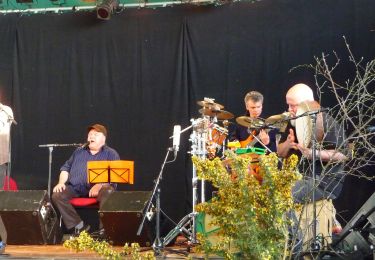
84 202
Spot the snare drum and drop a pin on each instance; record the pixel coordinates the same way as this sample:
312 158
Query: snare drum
218 134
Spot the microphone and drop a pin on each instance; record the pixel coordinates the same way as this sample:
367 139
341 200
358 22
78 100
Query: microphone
176 138
85 144
320 110
60 145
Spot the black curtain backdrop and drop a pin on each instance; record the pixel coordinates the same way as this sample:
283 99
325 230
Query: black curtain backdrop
143 71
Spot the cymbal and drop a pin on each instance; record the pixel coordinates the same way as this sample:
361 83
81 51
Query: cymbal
219 114
275 118
278 121
209 103
249 122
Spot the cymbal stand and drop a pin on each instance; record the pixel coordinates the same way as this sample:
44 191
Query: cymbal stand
225 142
199 142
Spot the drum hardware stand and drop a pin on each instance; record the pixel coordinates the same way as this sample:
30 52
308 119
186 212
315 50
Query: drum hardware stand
198 148
50 149
225 142
187 224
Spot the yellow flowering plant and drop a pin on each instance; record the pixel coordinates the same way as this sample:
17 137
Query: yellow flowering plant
85 242
248 211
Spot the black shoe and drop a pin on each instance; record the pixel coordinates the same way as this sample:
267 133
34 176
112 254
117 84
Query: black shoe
99 235
102 234
85 227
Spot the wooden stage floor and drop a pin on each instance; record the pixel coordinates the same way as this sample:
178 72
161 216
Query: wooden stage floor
58 252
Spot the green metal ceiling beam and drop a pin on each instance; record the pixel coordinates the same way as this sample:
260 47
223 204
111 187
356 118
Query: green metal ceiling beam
36 6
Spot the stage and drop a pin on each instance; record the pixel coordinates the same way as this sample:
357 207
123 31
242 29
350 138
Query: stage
60 252
46 252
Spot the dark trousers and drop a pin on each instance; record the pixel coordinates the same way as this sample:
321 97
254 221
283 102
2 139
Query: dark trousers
68 213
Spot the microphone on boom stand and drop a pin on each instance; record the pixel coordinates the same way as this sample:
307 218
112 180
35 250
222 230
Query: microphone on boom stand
176 139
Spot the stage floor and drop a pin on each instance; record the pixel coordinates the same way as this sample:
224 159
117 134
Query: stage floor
58 252
45 252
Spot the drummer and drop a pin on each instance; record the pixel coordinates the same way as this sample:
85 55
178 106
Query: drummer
254 105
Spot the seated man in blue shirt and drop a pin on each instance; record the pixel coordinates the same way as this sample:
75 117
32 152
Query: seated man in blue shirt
73 177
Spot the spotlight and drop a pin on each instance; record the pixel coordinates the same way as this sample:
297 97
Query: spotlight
105 9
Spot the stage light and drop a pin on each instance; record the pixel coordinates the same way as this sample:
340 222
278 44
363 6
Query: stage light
105 9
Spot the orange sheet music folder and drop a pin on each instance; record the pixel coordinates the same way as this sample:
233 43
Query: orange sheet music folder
110 172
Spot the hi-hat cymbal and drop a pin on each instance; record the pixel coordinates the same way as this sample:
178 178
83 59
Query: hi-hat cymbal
219 114
249 122
210 104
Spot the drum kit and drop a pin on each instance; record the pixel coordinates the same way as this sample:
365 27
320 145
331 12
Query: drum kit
210 139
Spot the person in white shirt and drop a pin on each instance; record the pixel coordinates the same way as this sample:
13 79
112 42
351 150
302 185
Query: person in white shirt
6 119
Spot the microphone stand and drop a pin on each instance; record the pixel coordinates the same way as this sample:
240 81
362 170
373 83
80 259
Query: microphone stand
157 245
314 244
50 149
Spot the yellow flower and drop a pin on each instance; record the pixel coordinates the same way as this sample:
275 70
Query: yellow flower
250 205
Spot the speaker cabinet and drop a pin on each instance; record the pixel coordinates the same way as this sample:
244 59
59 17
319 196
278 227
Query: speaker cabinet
121 215
29 218
357 239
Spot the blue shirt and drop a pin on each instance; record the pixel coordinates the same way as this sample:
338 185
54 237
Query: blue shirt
76 166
